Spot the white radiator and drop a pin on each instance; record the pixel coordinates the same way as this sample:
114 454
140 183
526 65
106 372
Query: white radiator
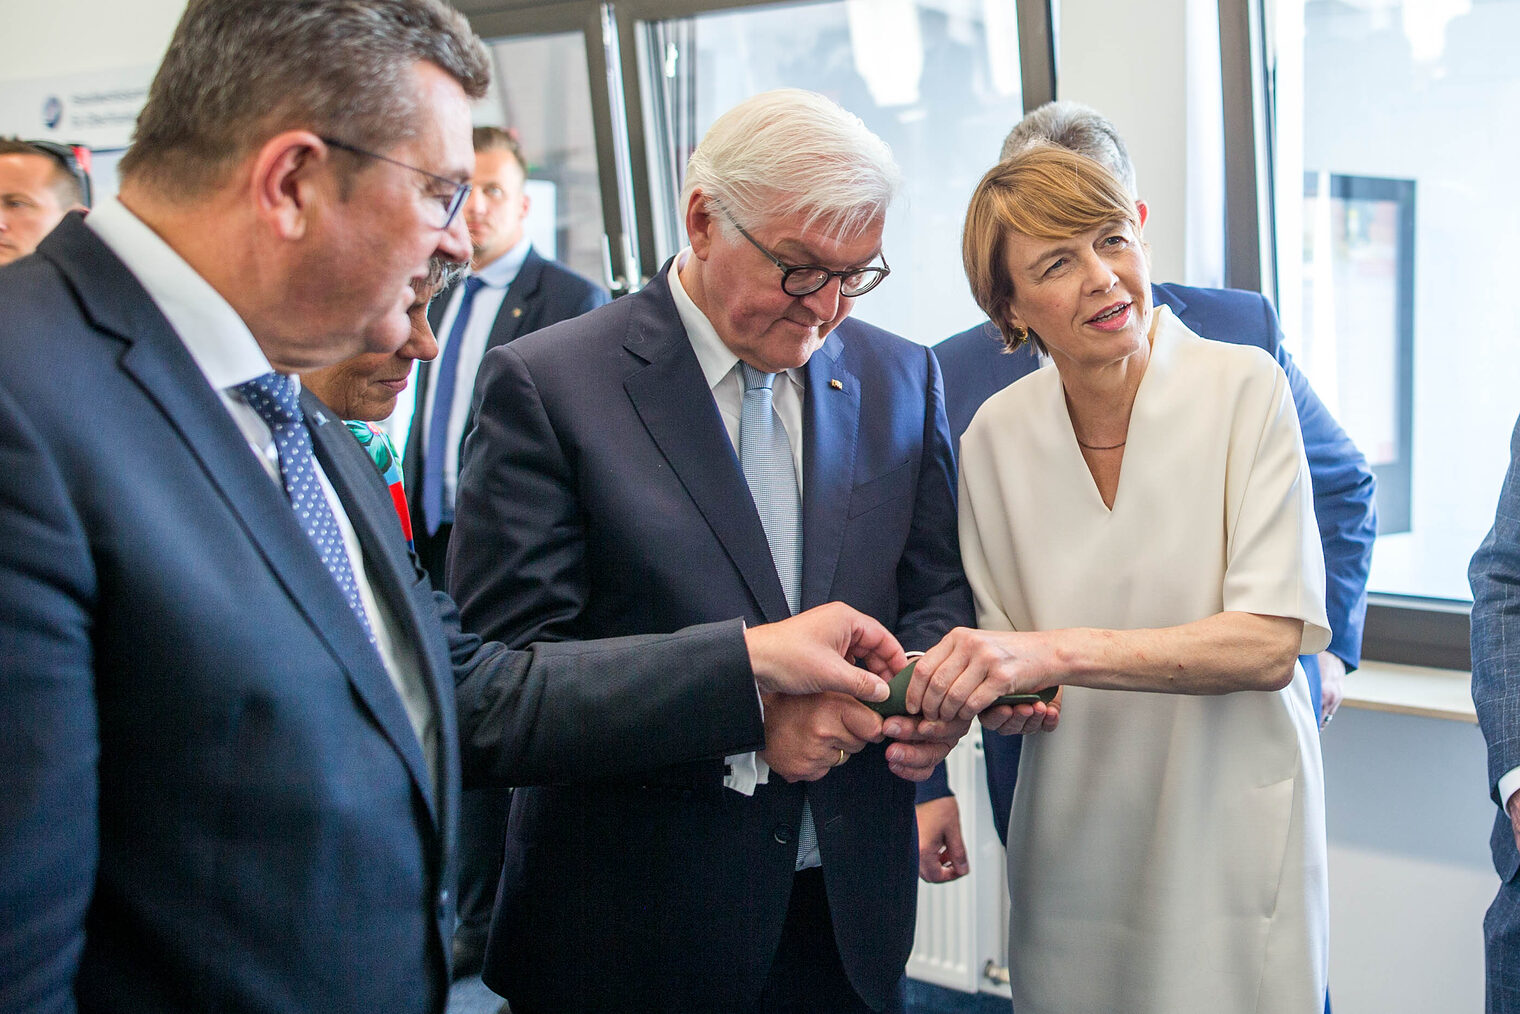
963 925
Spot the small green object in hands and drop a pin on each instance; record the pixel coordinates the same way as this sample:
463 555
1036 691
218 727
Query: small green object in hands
897 702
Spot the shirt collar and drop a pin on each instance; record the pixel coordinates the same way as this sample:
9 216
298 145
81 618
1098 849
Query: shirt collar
712 355
502 272
216 337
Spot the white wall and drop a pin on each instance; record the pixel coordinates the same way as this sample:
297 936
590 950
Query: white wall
1153 69
51 37
1410 875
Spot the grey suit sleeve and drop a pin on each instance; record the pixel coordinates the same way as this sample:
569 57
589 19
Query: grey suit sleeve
1495 577
49 744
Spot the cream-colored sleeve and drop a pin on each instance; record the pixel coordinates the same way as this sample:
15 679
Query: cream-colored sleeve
1274 562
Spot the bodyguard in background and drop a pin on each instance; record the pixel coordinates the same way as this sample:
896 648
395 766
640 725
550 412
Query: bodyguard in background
40 182
975 367
1495 578
512 290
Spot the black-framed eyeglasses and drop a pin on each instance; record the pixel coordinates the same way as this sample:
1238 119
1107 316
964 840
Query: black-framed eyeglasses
806 279
461 190
75 159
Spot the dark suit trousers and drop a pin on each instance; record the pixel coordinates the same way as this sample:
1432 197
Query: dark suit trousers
807 976
482 841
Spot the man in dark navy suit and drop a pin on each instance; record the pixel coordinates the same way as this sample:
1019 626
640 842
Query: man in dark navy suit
975 368
725 441
227 695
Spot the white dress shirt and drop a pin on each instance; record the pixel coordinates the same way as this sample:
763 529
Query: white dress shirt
228 355
497 276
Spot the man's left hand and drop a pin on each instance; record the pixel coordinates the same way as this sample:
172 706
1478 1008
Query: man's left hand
1332 685
941 848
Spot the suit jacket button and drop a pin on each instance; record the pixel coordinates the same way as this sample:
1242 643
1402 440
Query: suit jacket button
783 834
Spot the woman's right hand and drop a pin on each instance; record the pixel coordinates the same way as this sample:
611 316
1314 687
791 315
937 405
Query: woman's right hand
1022 719
962 675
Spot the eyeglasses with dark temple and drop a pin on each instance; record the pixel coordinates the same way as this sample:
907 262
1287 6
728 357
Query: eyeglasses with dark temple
461 192
806 279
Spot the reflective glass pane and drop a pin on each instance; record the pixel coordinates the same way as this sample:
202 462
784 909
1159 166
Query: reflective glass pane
541 89
1393 192
938 81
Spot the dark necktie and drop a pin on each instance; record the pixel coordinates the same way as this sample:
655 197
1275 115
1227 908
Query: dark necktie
273 396
434 511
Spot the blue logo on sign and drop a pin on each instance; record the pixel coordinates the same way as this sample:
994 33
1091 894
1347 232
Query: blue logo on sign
52 111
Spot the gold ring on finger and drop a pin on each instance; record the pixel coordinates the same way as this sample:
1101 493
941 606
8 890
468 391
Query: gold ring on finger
842 757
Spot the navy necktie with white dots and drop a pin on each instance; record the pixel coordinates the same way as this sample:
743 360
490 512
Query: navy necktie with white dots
273 396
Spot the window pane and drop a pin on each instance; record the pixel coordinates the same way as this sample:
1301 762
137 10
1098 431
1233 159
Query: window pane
939 82
1392 178
540 88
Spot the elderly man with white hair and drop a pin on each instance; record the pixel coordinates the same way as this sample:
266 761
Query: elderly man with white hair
724 442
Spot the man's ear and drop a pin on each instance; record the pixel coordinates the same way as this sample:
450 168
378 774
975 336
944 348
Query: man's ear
1142 211
701 224
289 173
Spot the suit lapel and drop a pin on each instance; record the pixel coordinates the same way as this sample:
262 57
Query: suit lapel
671 396
390 572
160 364
830 428
1161 295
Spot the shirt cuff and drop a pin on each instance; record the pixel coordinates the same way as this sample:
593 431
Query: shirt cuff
1508 785
745 771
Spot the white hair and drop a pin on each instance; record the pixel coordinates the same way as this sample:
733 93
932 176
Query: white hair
790 151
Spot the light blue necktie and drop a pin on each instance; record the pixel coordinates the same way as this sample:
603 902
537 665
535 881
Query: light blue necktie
273 396
765 454
434 511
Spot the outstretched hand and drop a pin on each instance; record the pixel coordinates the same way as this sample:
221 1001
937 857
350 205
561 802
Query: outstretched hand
1022 719
968 670
813 652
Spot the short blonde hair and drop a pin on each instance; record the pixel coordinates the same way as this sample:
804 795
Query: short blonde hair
1044 192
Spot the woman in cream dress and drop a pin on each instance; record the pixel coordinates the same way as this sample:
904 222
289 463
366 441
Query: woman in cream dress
1137 527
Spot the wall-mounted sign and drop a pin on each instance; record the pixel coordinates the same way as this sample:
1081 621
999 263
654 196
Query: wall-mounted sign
98 109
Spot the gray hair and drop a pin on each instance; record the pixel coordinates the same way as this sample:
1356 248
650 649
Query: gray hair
239 71
790 151
441 273
1077 128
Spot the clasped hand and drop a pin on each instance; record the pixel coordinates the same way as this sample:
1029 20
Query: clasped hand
804 737
961 676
